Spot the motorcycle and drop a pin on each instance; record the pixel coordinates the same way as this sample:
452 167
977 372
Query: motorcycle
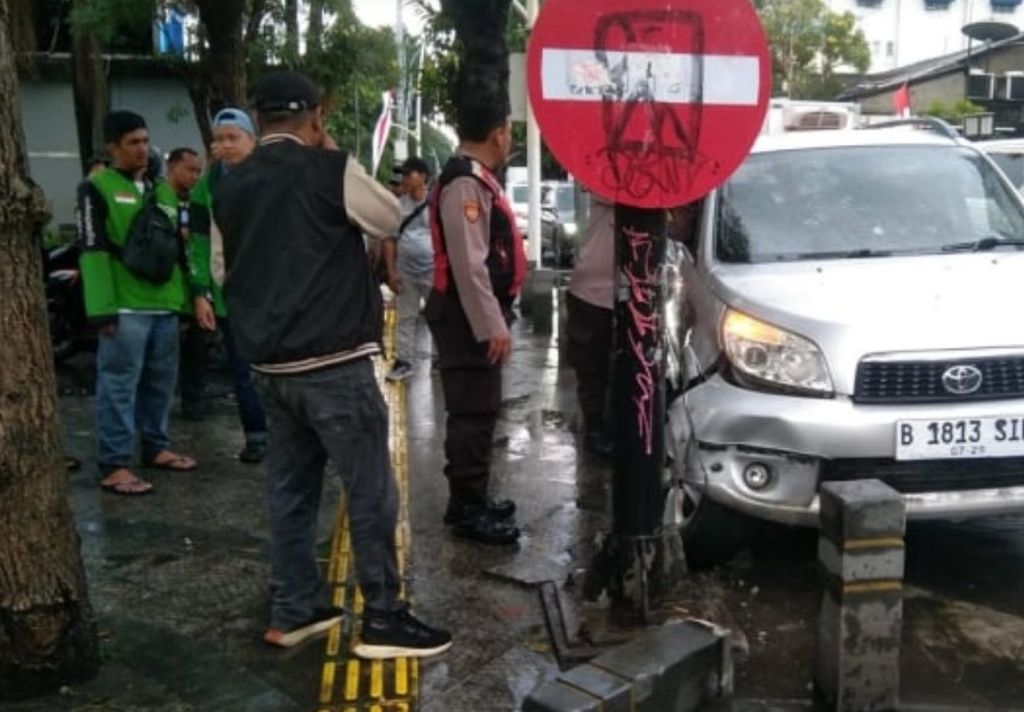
70 331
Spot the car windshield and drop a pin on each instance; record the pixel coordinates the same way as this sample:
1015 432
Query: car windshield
864 202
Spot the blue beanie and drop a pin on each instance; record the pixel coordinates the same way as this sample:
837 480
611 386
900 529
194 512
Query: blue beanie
234 117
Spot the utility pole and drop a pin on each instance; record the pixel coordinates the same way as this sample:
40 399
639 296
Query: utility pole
533 160
402 119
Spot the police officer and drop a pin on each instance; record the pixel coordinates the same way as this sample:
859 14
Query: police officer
479 267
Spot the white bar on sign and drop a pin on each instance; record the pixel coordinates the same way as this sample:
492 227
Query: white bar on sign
580 75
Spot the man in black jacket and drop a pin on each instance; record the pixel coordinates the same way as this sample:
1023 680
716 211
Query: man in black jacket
306 312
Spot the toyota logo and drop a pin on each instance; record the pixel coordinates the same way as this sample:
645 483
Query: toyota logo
962 380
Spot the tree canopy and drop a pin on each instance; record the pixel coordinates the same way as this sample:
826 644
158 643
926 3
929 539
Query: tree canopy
809 44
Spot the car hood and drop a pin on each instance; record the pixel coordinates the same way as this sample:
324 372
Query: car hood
855 308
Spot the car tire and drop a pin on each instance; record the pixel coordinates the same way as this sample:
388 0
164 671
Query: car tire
712 535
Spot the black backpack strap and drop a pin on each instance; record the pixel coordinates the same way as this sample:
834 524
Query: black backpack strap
411 216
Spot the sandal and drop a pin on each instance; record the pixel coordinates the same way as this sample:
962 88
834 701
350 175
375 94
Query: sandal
130 487
173 463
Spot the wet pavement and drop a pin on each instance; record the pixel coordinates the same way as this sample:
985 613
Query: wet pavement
178 579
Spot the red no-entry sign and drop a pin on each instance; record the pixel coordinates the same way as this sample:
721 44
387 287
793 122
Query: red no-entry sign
650 103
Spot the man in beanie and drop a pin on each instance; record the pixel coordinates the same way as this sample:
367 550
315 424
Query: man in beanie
234 138
306 312
137 356
479 268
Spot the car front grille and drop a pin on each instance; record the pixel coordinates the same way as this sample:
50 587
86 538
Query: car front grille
929 475
880 382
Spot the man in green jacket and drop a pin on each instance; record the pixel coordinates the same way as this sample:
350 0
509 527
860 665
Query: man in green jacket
234 138
137 358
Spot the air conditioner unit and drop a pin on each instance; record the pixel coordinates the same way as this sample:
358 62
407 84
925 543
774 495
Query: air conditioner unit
981 86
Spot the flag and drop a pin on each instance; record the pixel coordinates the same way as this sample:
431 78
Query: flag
901 101
382 130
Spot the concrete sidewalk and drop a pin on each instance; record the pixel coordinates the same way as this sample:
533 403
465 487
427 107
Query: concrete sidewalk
179 579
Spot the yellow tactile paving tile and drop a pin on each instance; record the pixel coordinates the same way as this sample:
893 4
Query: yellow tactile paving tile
349 684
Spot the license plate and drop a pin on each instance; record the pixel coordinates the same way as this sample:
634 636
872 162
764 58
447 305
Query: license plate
961 438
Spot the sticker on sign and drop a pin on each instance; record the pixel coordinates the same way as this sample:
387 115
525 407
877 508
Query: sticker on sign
576 75
651 103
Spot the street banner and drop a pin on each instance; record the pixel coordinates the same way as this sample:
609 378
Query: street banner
382 130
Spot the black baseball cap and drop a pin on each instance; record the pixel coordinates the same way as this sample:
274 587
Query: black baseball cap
286 91
415 165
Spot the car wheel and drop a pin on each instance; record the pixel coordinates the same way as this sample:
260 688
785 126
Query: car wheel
712 535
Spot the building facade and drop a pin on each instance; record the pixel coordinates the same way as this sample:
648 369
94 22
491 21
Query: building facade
902 32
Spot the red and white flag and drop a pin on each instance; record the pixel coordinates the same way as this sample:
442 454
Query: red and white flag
901 101
382 130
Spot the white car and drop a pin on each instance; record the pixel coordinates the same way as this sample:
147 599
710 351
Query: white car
845 311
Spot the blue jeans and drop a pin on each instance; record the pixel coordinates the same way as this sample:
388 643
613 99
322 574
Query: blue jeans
335 412
136 370
250 409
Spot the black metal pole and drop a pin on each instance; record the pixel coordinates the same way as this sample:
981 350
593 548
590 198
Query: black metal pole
641 558
638 390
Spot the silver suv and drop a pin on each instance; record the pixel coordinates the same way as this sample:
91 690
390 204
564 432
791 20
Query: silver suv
846 309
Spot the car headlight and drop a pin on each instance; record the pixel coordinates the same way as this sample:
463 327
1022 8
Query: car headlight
770 356
570 229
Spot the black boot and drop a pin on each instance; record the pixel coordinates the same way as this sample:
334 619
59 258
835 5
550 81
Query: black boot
499 508
480 524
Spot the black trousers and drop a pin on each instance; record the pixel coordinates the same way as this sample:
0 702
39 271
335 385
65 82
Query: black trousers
192 377
589 330
472 399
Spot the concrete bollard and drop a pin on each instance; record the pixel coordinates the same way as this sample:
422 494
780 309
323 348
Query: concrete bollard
861 553
680 667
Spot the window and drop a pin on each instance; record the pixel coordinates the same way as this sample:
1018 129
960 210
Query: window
890 49
981 86
1005 5
829 202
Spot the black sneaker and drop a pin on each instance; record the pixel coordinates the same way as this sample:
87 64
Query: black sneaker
253 452
398 634
486 528
321 622
498 508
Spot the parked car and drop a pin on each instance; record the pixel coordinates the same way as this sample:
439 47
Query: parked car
559 198
556 249
844 311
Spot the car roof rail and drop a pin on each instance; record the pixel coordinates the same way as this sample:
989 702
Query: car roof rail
926 122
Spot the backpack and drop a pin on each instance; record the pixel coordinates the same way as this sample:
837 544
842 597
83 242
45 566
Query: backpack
152 248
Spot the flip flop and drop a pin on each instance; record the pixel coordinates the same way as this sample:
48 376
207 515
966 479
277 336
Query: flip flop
120 488
178 463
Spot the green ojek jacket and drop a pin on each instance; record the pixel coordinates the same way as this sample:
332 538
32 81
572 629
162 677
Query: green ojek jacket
201 273
109 286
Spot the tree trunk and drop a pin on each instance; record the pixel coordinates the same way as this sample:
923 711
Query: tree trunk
47 633
89 86
482 77
315 32
291 36
224 60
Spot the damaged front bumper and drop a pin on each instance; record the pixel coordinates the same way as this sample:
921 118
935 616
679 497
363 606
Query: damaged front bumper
725 438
